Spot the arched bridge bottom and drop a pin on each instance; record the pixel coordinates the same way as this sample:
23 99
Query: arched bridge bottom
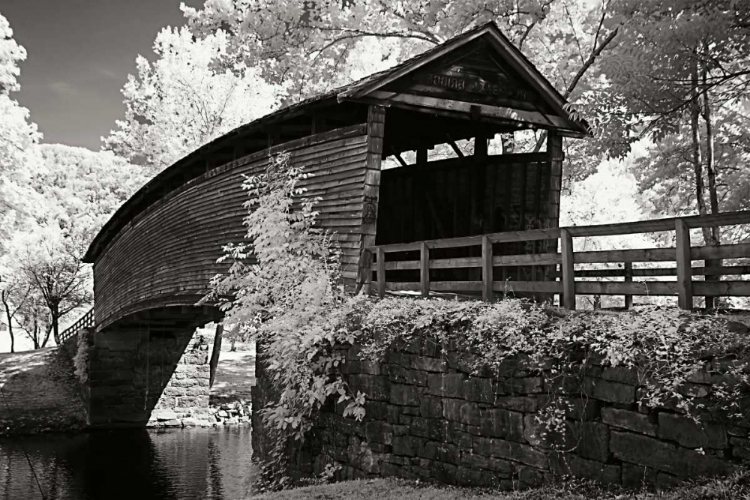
151 366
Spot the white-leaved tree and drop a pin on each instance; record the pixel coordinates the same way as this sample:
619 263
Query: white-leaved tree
183 100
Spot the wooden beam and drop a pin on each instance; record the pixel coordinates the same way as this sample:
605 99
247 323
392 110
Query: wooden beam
628 278
455 147
424 270
568 275
380 262
541 120
487 279
371 194
684 270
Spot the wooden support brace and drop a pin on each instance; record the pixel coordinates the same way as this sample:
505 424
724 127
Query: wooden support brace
487 278
424 269
628 278
455 147
568 274
684 269
380 263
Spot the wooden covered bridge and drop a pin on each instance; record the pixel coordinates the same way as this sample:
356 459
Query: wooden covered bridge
475 223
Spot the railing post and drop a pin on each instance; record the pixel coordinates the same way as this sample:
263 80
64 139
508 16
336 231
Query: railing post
424 269
628 279
684 267
380 255
568 273
487 278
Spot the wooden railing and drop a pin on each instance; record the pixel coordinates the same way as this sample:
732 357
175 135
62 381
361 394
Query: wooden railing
684 287
85 321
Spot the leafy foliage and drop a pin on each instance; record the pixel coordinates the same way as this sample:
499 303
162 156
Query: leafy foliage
182 100
283 290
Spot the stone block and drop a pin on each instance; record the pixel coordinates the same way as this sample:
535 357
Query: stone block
430 428
379 432
374 387
423 363
431 348
462 361
691 434
629 420
376 410
593 440
621 374
442 452
509 450
502 467
576 466
402 375
521 385
406 446
611 392
637 476
394 357
475 478
431 407
665 457
502 424
448 385
443 472
479 390
526 404
528 476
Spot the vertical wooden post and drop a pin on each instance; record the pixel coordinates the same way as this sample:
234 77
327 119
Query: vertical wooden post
381 272
555 158
215 353
424 269
487 279
684 266
568 273
370 194
628 279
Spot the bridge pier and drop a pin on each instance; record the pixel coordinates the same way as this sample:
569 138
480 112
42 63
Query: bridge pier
148 373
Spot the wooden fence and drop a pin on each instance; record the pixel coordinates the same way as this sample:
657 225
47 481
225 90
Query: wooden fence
562 264
85 321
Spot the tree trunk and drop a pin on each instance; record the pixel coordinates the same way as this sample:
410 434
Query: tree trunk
215 354
10 323
46 337
54 309
696 147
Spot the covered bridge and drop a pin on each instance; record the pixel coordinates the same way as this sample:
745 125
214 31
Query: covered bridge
154 258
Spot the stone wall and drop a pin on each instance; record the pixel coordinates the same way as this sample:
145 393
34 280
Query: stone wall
428 418
139 376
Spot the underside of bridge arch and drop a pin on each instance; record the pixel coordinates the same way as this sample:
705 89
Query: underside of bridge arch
151 366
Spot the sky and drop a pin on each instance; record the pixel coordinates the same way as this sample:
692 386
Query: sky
79 54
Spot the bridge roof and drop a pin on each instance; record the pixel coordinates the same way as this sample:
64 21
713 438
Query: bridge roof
385 88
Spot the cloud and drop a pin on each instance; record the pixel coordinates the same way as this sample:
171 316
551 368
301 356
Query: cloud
63 89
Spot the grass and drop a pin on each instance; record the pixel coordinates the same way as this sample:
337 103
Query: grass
734 488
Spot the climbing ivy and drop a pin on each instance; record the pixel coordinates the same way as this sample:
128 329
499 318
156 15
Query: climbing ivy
284 290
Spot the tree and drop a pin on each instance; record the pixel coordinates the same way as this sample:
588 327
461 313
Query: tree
18 140
183 101
678 66
14 293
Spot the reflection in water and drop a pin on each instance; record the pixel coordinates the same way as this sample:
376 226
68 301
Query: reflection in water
211 464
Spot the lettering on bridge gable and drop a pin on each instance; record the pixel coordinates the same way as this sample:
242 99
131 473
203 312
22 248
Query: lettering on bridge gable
476 85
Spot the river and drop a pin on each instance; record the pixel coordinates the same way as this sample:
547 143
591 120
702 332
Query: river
184 464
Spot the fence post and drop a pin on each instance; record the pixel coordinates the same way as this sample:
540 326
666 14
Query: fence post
684 268
628 279
424 269
568 273
487 278
380 263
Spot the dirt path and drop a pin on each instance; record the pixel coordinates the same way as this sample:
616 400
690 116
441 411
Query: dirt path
235 376
39 393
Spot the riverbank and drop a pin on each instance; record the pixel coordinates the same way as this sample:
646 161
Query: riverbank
39 393
734 488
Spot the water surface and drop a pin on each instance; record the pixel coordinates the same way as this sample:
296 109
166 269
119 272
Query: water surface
184 464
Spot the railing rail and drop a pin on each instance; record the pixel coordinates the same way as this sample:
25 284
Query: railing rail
568 287
85 321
